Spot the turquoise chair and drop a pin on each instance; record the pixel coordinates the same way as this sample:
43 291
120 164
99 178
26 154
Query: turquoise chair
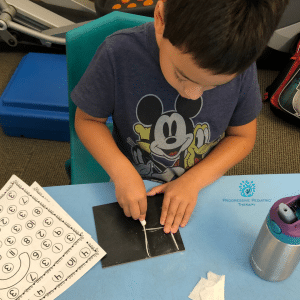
81 46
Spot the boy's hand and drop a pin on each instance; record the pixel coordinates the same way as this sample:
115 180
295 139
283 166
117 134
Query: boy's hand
131 196
179 202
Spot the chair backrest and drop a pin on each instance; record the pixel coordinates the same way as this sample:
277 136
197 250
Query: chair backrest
81 45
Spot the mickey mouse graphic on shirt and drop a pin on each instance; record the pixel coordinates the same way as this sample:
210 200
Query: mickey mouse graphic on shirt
169 143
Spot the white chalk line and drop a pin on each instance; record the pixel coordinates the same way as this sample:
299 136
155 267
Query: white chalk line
146 239
174 241
154 228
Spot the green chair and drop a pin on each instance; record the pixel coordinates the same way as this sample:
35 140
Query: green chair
81 46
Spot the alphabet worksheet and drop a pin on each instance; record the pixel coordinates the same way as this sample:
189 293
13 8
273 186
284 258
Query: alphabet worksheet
43 251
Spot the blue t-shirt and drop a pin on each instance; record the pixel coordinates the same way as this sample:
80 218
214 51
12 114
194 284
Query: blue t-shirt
161 133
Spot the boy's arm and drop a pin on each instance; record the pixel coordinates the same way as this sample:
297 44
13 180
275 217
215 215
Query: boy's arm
130 188
180 195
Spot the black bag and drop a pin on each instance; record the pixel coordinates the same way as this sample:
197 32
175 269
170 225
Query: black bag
284 92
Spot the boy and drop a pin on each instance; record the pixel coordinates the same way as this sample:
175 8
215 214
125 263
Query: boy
175 88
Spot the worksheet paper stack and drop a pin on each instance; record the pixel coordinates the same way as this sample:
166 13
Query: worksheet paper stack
43 251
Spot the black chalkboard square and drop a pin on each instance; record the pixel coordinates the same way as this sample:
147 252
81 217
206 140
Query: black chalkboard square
123 238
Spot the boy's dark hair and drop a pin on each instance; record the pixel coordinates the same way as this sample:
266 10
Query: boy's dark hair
223 36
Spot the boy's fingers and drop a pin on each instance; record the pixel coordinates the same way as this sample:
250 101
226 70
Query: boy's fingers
164 210
135 211
187 215
170 216
143 209
126 210
138 209
178 217
156 190
142 217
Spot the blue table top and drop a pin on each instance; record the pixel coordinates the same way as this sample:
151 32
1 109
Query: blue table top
219 238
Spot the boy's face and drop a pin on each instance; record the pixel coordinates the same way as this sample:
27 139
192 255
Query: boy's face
179 69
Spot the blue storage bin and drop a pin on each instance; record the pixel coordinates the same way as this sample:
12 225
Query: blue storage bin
35 101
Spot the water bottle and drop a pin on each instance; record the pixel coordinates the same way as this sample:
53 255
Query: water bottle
276 251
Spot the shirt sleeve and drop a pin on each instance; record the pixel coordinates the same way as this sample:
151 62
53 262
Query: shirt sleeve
94 93
250 102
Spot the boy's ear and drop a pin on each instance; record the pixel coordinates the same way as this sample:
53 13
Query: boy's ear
159 23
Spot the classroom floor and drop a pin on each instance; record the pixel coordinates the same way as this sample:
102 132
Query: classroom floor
276 151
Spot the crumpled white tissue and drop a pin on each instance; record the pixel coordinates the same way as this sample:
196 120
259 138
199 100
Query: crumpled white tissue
212 288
